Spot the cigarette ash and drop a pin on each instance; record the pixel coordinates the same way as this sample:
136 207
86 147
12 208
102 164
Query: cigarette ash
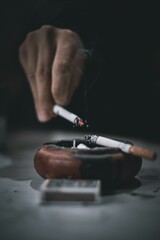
80 123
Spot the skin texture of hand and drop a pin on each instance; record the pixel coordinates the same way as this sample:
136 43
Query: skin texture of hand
53 61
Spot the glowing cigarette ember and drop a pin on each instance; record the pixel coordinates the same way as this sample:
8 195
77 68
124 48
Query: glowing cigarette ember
68 116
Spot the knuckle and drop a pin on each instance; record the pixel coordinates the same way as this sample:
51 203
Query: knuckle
73 38
43 72
47 31
70 34
27 46
31 76
61 67
47 28
30 36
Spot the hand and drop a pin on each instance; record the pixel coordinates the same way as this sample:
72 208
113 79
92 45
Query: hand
53 60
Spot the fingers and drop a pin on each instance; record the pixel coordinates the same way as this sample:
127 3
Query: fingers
44 100
43 97
28 58
67 67
53 61
36 56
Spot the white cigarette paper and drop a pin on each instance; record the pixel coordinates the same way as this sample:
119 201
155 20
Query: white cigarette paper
125 147
64 113
107 142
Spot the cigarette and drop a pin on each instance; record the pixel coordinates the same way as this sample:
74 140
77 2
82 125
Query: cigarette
125 147
68 115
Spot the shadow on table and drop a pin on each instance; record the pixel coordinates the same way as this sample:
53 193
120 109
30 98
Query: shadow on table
106 188
130 185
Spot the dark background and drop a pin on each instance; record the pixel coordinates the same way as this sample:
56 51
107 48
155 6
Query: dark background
120 89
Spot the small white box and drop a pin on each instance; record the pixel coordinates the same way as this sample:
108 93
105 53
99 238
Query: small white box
73 190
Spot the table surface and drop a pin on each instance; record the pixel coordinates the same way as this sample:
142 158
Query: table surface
127 213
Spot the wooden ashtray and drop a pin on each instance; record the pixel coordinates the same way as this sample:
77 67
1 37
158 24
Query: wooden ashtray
60 160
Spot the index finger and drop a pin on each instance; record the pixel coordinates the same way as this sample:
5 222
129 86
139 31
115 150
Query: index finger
62 70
